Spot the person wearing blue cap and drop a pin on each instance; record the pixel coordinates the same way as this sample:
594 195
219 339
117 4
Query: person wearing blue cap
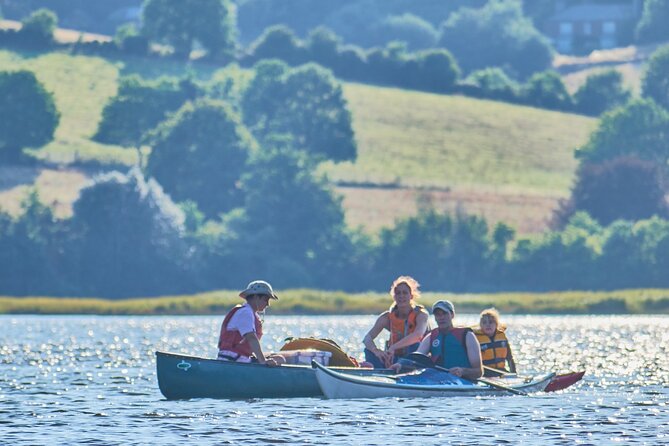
454 348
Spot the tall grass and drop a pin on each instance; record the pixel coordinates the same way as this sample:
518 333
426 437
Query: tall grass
304 301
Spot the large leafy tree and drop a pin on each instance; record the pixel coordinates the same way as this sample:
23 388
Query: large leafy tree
655 83
38 28
278 42
640 128
292 225
199 154
182 23
602 91
306 103
130 238
653 24
28 115
497 35
140 106
547 90
622 188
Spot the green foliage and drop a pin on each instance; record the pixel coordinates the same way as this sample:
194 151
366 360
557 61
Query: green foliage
436 70
494 83
639 128
278 42
416 32
199 154
323 47
306 103
28 115
653 24
629 252
557 260
31 260
496 35
622 188
37 29
292 227
547 90
129 238
140 106
601 92
130 40
182 23
655 83
448 252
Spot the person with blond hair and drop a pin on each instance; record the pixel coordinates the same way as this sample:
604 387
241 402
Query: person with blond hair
495 348
406 321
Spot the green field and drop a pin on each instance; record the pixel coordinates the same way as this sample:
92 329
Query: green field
424 139
323 302
479 155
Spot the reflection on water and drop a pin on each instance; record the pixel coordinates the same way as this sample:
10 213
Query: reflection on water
92 380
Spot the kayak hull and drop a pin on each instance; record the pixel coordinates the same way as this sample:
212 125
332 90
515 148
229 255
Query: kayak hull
185 377
336 385
563 381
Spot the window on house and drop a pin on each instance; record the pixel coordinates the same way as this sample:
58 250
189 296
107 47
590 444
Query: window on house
587 28
609 28
566 28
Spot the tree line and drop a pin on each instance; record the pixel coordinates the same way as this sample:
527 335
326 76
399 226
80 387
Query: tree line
229 192
492 51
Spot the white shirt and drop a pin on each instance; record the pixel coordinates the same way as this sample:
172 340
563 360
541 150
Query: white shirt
244 320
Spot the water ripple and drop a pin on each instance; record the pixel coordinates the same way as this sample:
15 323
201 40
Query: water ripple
91 380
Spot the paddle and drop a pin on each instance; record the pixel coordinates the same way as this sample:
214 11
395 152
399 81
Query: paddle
425 361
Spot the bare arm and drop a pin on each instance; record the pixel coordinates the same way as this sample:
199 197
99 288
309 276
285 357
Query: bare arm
510 360
254 343
415 336
474 354
368 341
424 346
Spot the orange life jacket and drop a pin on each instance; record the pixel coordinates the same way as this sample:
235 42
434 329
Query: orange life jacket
400 328
495 350
232 340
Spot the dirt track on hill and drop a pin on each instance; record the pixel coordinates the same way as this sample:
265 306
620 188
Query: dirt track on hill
374 208
369 207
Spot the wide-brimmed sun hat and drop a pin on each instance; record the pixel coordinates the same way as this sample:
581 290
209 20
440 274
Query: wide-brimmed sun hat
259 287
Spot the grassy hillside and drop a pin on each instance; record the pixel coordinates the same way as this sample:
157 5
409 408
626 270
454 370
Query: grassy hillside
504 161
423 139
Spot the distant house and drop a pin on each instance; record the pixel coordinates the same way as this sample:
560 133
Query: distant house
590 26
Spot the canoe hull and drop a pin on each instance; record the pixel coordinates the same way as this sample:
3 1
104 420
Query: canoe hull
335 385
184 377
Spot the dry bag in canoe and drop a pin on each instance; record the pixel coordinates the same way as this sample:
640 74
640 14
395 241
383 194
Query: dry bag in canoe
339 357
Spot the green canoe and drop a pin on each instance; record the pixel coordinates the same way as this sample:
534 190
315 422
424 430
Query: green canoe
183 377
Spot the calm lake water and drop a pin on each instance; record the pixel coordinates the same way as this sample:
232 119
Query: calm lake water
91 380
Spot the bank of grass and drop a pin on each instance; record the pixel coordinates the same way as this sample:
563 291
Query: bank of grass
310 302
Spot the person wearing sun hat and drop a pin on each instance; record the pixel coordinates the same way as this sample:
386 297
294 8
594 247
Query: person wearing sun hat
241 329
454 348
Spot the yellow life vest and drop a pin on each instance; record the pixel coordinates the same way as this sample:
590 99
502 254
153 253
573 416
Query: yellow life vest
495 350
